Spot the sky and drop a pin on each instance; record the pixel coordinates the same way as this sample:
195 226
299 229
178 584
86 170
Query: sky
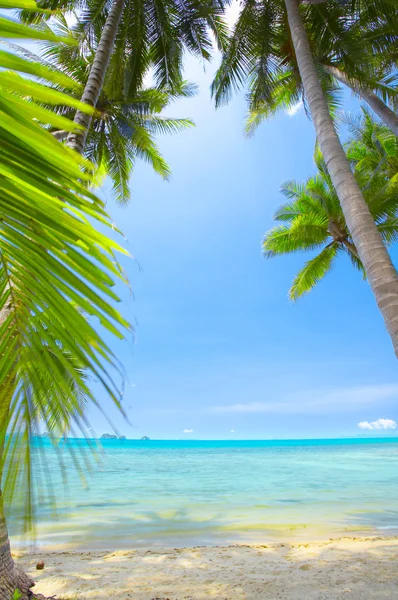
219 351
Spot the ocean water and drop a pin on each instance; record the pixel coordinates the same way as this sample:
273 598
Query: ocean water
180 493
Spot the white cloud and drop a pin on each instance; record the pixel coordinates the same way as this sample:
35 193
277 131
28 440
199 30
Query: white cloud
379 424
232 431
188 431
321 401
293 110
364 425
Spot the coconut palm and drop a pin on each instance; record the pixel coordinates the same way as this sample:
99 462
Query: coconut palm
58 268
124 125
252 54
124 132
359 55
372 151
312 220
143 35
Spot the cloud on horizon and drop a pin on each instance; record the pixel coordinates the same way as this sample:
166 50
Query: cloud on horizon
320 401
188 431
379 424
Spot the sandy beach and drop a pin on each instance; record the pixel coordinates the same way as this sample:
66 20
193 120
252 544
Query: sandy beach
356 568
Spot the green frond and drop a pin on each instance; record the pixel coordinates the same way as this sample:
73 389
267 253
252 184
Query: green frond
135 36
288 212
284 94
118 163
146 149
182 89
282 240
254 118
15 30
15 83
356 263
165 125
389 229
58 270
293 190
313 271
310 226
37 69
239 56
308 200
322 191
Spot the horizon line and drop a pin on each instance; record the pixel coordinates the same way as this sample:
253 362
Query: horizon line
266 439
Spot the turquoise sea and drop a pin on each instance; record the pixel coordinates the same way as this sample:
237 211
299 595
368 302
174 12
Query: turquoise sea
180 493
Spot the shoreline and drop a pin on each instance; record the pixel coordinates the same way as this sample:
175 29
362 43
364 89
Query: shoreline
363 568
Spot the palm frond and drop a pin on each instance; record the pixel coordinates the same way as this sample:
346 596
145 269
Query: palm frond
313 271
281 240
58 269
239 56
389 229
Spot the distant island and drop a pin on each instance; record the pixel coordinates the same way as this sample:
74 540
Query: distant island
112 436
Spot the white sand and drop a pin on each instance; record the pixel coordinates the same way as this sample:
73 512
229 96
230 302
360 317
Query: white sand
352 568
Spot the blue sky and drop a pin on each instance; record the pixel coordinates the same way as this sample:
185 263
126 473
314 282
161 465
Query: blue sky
219 350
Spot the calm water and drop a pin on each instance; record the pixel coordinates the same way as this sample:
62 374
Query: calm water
170 493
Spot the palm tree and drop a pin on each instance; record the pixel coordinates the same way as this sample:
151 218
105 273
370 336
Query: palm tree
143 35
251 54
124 126
57 269
313 220
379 269
359 55
346 53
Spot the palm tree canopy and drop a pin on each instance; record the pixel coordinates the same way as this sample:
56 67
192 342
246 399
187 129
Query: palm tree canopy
260 52
153 35
373 152
312 219
124 126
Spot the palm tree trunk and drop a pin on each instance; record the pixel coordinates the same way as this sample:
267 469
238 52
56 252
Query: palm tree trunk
97 74
60 135
388 116
381 273
12 576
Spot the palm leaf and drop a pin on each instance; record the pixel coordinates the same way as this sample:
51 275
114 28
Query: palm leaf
58 270
313 271
281 240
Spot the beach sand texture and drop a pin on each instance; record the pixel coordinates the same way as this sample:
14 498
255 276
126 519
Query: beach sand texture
352 568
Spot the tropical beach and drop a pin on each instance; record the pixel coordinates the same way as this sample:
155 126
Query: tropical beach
189 520
198 299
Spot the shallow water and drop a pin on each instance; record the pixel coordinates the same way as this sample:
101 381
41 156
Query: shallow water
172 493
